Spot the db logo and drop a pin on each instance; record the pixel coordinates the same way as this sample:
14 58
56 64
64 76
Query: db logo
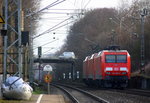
116 69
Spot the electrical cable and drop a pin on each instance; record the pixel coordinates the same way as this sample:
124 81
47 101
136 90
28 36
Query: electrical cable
60 12
61 26
49 50
82 3
54 29
41 9
64 9
87 4
56 17
51 29
45 44
50 5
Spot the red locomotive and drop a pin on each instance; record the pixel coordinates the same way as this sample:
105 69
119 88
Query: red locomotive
108 68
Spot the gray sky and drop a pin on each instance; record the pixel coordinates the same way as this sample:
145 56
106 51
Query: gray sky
54 15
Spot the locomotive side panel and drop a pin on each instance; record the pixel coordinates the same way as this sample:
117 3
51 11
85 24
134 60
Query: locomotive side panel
94 66
90 76
98 67
86 70
103 66
86 67
129 65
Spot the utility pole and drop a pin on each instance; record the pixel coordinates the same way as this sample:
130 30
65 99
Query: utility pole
5 41
143 14
19 38
12 18
113 37
144 81
31 55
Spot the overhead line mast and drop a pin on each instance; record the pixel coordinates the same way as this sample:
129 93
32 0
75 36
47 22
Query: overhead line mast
143 14
15 45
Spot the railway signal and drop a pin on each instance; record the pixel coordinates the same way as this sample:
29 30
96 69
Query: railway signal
39 51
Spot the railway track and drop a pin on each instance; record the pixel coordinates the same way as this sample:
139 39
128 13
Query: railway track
80 96
136 92
139 92
116 95
73 98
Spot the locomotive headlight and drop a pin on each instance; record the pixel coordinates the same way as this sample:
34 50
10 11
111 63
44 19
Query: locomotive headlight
108 69
123 69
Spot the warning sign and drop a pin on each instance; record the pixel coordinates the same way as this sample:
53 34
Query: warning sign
1 19
47 78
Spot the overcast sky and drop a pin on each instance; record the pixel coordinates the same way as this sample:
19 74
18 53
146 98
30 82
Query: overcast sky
53 40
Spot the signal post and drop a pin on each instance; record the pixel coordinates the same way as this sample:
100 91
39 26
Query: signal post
48 76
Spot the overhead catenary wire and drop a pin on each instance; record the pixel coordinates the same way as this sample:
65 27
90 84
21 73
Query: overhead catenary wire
49 50
62 26
61 12
82 3
45 44
63 9
51 19
55 28
55 17
49 6
52 28
87 4
59 25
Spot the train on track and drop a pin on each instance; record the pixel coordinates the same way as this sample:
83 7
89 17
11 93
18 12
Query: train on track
107 68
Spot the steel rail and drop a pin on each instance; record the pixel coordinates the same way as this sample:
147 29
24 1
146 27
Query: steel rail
99 99
140 92
137 92
67 92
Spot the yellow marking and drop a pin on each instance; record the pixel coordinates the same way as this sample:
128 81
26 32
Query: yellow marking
1 19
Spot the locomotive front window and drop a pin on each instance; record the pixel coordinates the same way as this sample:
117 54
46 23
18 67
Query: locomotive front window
121 59
110 59
116 59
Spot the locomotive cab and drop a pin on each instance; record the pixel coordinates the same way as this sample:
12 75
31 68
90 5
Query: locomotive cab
116 68
108 68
